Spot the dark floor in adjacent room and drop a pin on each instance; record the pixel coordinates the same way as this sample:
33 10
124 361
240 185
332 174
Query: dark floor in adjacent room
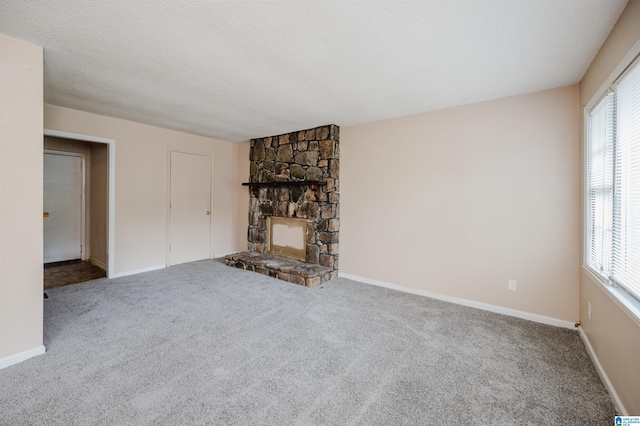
72 272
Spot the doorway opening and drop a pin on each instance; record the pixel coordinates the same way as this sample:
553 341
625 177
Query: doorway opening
67 216
78 189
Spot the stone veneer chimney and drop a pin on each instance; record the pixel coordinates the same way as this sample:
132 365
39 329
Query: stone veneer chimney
307 155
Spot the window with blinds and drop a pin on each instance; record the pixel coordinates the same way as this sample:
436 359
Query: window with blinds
613 184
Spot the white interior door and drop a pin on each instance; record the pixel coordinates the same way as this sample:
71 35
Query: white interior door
62 207
189 208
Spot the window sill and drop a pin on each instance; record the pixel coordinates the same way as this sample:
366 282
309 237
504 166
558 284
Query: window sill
624 300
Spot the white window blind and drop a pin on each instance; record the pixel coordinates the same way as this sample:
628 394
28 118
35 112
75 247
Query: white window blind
613 184
600 190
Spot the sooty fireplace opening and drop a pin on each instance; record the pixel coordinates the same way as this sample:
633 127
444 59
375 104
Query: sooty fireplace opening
287 237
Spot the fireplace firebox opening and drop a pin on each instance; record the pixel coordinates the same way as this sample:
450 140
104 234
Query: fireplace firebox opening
287 237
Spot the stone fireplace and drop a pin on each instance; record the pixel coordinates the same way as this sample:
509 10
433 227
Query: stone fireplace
294 185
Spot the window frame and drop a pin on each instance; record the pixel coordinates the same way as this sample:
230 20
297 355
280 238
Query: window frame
619 295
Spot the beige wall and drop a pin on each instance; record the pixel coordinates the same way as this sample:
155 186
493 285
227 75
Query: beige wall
613 334
141 185
458 201
20 199
99 197
623 36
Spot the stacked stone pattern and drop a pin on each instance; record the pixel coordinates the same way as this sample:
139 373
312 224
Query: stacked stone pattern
285 269
312 155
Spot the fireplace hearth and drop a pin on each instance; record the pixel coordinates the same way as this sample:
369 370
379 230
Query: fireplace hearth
294 180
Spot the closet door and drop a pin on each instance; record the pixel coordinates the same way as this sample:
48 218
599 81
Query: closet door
190 208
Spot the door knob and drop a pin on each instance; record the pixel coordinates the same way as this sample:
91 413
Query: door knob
45 214
208 212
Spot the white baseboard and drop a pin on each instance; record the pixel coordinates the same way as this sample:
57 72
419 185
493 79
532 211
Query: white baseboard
218 256
98 263
22 356
465 302
603 375
155 268
139 271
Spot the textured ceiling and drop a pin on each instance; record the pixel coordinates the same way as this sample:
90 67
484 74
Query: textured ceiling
241 69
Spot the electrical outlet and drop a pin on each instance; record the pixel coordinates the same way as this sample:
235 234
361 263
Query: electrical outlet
589 309
513 285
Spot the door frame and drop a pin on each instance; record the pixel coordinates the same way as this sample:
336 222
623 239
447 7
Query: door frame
83 189
168 203
111 190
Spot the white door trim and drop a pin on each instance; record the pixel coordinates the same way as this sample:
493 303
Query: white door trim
83 217
111 201
168 209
